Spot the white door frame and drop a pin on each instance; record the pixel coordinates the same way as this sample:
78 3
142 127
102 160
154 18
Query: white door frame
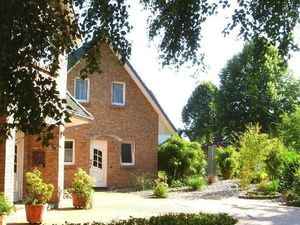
103 144
19 142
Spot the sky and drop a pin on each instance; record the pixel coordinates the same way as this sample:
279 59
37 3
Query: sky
173 88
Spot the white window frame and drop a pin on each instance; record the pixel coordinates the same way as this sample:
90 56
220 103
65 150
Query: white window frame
124 88
132 153
73 158
88 90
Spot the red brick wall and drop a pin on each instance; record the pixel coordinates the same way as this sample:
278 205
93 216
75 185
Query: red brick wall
50 170
137 121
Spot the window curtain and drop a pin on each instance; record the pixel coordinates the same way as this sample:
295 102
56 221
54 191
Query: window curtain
117 93
81 89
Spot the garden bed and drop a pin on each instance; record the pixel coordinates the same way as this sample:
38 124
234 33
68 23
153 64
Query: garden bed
259 195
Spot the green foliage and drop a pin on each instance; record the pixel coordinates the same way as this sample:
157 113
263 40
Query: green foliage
273 162
180 158
290 129
259 177
51 30
269 187
143 182
161 190
178 219
37 191
227 159
199 114
254 149
291 163
82 184
6 207
178 183
196 183
253 89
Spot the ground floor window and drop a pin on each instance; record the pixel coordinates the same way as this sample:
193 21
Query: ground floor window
69 152
127 154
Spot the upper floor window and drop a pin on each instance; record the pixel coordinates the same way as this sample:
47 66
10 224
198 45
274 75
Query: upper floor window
81 90
118 93
69 152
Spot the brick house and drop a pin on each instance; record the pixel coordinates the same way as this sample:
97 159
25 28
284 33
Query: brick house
116 125
122 140
22 153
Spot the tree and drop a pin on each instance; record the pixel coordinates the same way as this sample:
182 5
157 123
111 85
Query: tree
290 129
35 31
253 89
199 114
180 158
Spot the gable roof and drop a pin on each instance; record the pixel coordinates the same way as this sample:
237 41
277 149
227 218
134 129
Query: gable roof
77 55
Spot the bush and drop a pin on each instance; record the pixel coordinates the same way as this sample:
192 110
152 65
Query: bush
178 219
143 182
273 161
290 164
227 161
6 207
254 149
196 183
257 178
160 190
269 187
37 191
178 183
180 158
82 185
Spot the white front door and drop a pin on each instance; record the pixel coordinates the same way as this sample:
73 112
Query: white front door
18 171
98 162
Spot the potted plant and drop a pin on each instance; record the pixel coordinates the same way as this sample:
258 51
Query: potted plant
6 207
38 193
82 189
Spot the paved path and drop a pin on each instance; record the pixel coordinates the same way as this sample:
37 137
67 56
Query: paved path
113 206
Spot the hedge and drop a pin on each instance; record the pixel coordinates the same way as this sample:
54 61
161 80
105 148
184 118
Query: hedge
171 219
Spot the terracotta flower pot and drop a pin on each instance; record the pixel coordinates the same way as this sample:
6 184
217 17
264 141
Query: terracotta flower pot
35 213
2 219
78 201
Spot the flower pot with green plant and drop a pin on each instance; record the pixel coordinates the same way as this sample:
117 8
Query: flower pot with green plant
38 193
82 189
6 207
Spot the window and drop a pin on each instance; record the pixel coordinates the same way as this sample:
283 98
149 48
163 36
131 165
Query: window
69 152
81 90
127 154
118 93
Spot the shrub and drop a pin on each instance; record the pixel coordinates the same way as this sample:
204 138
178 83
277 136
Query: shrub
290 164
254 149
143 182
273 162
259 177
180 158
82 185
177 183
6 207
290 129
269 187
178 219
37 191
162 176
227 161
160 190
196 183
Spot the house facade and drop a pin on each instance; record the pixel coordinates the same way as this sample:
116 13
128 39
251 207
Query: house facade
116 125
21 153
122 140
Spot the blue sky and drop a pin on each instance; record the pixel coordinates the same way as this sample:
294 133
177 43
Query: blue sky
172 88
